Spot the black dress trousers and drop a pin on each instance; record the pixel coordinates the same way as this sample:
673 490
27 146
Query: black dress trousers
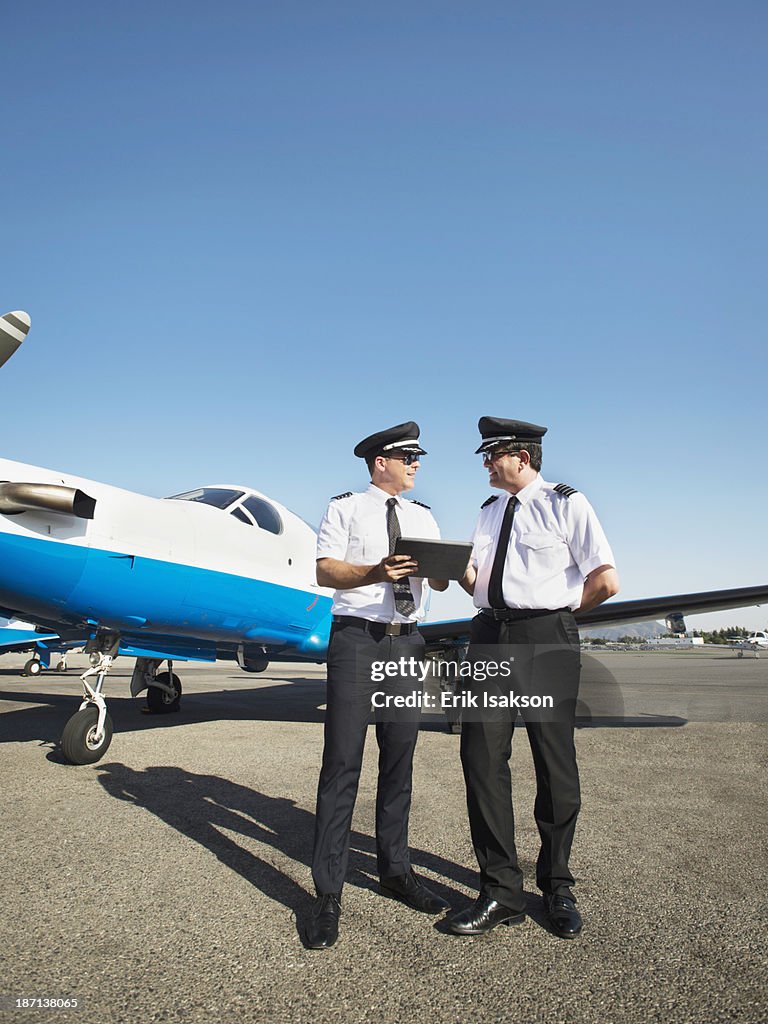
546 657
351 654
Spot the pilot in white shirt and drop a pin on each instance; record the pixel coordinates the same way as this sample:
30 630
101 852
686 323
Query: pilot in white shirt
354 530
377 605
556 542
539 554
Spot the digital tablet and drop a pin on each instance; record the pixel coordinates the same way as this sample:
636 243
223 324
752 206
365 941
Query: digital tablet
440 559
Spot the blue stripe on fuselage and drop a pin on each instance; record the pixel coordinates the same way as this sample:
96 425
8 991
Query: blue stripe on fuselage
52 580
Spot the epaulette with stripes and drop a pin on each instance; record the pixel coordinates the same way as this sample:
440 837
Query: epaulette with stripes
346 494
565 490
489 501
414 502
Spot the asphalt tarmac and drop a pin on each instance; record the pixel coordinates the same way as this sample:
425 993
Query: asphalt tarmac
169 882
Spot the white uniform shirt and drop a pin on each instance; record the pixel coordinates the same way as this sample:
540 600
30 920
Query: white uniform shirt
556 542
354 529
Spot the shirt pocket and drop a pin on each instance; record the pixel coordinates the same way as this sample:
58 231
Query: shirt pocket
356 549
365 549
543 553
483 549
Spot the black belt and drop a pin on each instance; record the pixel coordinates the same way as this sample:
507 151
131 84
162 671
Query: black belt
518 614
373 627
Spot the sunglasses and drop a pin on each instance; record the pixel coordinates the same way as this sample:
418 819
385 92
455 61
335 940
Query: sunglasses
491 457
407 459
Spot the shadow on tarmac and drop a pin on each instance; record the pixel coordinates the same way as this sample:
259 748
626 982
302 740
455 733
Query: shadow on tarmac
202 806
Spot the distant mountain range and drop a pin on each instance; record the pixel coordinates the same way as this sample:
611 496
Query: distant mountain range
641 630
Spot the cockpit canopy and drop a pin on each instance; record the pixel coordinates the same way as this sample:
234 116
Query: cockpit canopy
248 509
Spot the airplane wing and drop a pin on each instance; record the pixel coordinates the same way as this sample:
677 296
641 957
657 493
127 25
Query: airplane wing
22 639
14 327
671 609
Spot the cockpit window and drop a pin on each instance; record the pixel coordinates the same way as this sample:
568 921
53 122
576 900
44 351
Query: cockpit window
265 515
239 514
218 497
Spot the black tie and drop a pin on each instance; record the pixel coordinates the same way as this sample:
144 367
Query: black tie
404 602
495 590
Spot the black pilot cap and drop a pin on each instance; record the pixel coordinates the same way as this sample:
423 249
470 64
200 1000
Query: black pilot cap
496 431
400 440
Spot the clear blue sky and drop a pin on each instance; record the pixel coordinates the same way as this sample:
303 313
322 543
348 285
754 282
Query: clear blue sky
249 234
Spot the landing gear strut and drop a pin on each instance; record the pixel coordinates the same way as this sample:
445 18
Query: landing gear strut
88 733
164 694
445 668
163 688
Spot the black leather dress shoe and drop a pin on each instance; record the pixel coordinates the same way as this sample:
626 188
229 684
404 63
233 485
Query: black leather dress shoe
563 917
411 890
482 916
323 927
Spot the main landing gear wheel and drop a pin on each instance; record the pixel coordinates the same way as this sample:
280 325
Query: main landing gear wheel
33 667
80 742
61 667
161 702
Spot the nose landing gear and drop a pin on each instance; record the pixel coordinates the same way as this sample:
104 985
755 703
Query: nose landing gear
88 733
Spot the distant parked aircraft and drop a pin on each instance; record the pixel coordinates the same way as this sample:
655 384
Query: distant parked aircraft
757 642
22 637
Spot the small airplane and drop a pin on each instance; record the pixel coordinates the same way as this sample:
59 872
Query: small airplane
14 327
220 572
22 637
757 642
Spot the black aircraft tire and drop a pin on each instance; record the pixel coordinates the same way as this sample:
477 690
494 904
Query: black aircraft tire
61 667
256 666
33 667
77 741
158 701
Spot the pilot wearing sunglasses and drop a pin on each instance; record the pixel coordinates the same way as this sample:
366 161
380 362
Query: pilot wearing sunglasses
540 554
378 602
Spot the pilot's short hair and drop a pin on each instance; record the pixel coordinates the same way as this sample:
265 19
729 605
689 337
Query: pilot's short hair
533 449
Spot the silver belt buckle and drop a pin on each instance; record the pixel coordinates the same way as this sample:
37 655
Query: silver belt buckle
393 629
